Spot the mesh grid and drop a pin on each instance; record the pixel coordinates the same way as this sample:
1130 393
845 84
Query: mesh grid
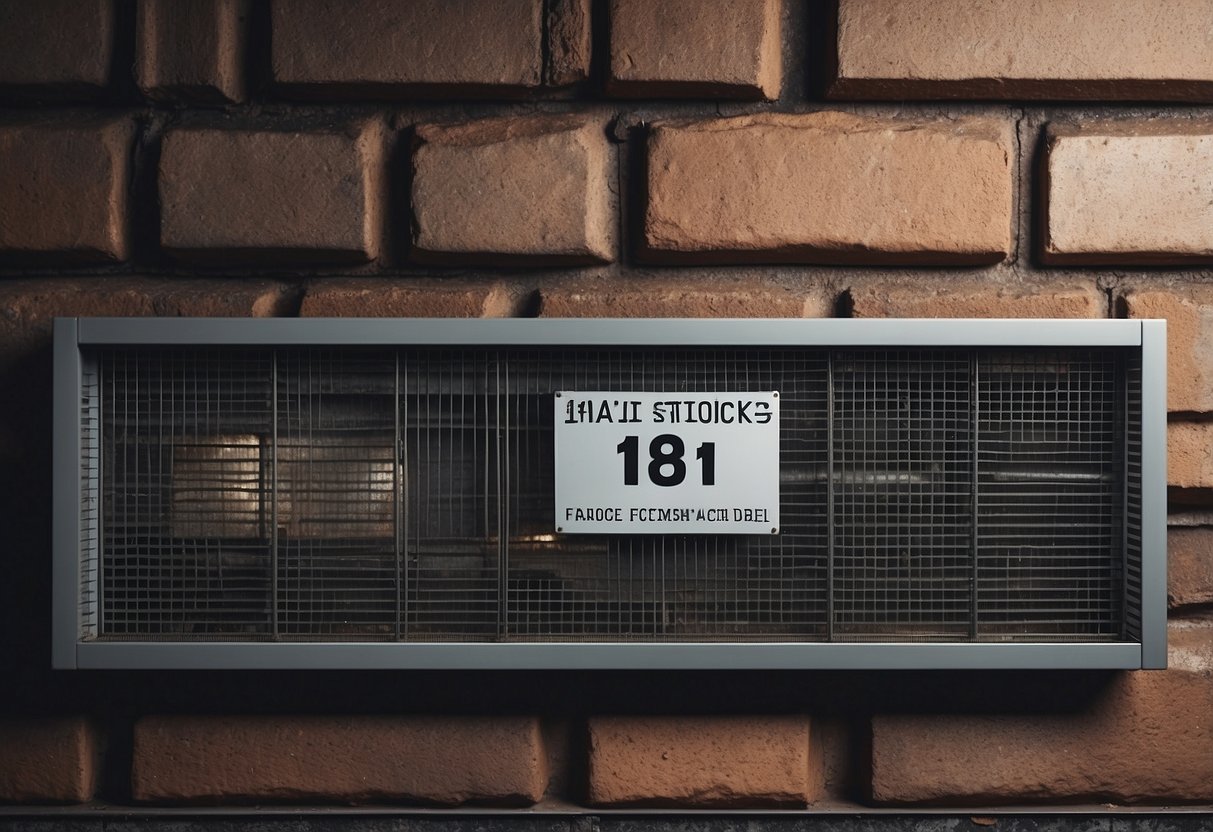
901 483
1049 494
667 586
1132 531
186 551
353 494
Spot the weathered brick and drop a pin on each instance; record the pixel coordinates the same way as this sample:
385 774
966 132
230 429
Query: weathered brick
705 48
569 41
63 193
716 761
47 760
1052 49
430 759
513 190
245 195
1190 455
829 187
191 50
28 306
1138 193
1188 311
336 48
916 299
1148 739
411 298
56 48
687 298
1189 566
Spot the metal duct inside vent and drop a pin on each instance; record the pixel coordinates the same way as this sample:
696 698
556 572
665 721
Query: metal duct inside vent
252 492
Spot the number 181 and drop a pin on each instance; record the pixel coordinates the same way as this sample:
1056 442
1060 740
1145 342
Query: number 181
660 459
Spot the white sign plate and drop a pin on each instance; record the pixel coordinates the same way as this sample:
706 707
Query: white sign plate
667 463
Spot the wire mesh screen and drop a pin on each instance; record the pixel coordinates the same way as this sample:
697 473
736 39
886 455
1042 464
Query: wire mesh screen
901 475
646 587
352 494
90 497
1050 487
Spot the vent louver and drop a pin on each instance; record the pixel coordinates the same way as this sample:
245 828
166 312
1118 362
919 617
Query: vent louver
323 493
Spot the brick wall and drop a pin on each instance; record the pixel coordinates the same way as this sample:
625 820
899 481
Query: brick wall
709 158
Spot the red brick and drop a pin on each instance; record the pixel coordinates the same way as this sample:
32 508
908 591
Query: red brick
713 761
705 48
916 299
56 48
411 298
1189 566
63 192
443 760
1137 193
513 190
1148 739
829 187
687 298
338 48
28 306
47 760
191 50
1051 49
569 38
272 196
1190 454
1188 311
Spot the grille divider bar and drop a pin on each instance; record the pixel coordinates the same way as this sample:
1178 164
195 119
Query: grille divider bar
1122 381
502 430
830 496
398 469
274 494
974 450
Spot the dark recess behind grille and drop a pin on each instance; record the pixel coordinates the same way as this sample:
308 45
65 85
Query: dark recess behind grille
333 494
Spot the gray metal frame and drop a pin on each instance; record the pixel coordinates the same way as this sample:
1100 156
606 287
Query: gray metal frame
71 334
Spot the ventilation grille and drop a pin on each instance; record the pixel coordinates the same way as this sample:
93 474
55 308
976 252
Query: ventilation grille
334 494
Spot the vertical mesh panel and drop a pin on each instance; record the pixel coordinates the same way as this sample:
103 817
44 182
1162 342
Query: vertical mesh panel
352 494
186 546
1050 491
665 587
450 415
336 478
901 474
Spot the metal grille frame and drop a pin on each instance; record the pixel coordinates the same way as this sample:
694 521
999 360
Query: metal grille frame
977 577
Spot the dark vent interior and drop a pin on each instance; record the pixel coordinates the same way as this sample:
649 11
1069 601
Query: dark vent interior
334 494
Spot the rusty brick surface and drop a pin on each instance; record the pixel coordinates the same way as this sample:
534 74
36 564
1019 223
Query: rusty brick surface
48 760
513 191
710 761
351 759
192 50
379 48
695 48
1147 739
64 193
238 196
1133 192
1042 49
829 187
411 298
883 298
1188 310
1189 566
56 49
748 297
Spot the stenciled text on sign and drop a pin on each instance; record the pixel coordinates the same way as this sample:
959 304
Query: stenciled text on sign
667 463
